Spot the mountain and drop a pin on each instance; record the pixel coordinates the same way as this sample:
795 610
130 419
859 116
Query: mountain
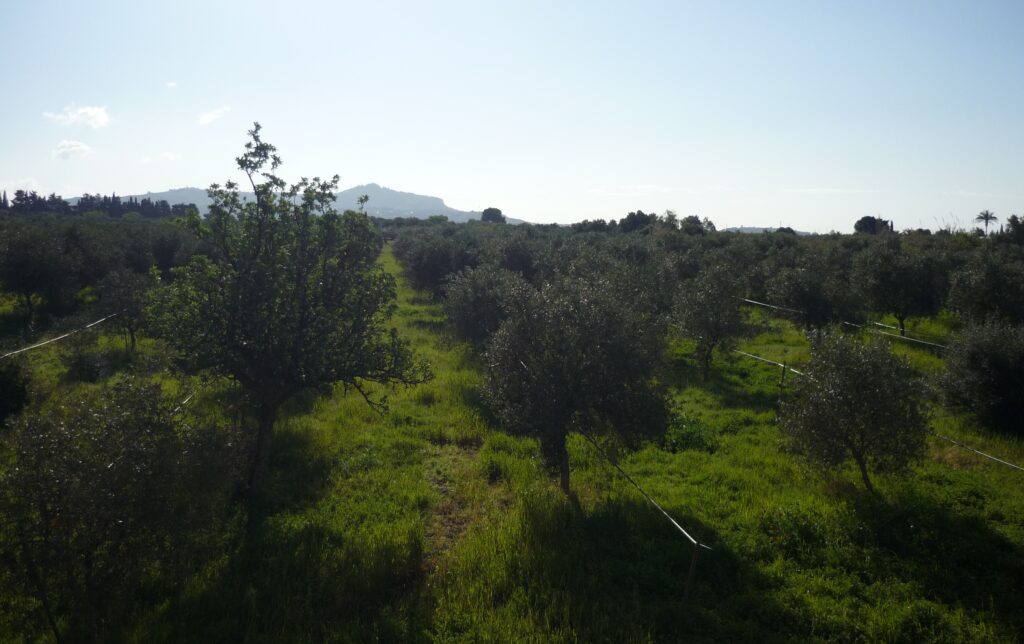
384 202
756 230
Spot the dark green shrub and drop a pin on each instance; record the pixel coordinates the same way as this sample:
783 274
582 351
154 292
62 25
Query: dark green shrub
105 497
984 374
478 299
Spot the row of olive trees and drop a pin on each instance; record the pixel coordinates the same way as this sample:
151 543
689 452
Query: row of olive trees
866 420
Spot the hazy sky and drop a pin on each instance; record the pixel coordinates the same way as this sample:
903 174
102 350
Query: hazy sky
806 114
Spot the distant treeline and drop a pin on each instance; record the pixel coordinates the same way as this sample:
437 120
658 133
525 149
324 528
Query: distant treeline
32 203
832 278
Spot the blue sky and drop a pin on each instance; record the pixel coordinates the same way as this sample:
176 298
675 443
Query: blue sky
806 114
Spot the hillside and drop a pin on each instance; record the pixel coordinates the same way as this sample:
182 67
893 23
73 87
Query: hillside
384 202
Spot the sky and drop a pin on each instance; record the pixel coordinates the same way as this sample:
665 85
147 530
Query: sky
802 114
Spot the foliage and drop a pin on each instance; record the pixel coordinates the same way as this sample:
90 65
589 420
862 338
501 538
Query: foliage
846 407
990 283
817 283
985 373
13 388
574 359
872 225
707 309
430 257
33 265
290 301
104 495
900 280
124 293
492 215
478 299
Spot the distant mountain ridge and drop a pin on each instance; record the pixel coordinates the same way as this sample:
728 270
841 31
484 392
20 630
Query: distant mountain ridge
751 230
384 202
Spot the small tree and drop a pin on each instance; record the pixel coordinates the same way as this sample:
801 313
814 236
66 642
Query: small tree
492 215
575 358
897 280
124 292
291 301
848 407
985 373
707 309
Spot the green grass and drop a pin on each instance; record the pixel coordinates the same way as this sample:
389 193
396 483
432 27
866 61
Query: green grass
428 524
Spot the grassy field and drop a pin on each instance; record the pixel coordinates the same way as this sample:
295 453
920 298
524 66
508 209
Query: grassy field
429 524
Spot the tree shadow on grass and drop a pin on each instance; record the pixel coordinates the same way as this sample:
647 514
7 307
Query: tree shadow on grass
729 389
956 558
308 582
299 574
618 573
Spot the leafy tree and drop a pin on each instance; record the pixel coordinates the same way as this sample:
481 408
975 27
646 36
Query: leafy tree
292 299
991 283
818 284
984 373
103 496
901 281
492 215
986 217
124 292
33 264
478 299
847 407
707 309
869 225
429 257
573 358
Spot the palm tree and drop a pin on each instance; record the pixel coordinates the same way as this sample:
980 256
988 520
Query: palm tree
987 217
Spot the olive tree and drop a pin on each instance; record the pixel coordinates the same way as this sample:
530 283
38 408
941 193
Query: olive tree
103 494
847 407
291 300
901 281
576 357
124 292
478 299
707 309
984 373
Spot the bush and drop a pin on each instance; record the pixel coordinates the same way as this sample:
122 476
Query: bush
847 407
105 498
984 374
478 299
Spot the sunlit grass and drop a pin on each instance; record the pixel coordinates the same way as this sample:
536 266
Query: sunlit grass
426 523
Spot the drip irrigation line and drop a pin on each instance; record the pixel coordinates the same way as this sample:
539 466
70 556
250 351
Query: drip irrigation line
968 447
59 337
772 362
643 492
186 401
856 326
909 339
647 496
772 306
